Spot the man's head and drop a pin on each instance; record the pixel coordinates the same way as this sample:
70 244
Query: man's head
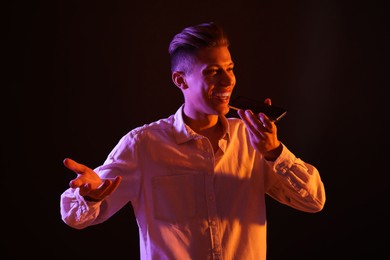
186 43
203 69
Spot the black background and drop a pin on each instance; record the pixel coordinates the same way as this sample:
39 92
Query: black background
78 75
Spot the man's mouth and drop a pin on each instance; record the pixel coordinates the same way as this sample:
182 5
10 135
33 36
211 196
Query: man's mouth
223 97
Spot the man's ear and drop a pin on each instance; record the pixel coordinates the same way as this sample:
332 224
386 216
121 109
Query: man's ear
179 79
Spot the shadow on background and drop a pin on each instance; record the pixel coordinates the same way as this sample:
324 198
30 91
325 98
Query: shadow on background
81 75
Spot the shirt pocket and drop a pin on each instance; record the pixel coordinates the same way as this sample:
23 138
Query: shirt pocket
174 197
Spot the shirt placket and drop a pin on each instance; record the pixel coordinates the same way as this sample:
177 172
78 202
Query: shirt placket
216 251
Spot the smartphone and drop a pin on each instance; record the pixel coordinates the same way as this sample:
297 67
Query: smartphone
274 113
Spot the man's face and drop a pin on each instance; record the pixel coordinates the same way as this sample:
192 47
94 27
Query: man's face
209 83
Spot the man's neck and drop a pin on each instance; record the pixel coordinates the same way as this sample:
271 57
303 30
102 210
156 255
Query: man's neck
200 125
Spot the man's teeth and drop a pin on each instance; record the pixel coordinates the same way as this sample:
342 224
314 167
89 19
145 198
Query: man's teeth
222 95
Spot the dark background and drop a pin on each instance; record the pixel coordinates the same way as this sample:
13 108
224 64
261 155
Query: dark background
78 75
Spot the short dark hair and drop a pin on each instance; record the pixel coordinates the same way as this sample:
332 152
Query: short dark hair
185 44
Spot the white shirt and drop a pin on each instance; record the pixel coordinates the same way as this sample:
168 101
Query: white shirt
191 203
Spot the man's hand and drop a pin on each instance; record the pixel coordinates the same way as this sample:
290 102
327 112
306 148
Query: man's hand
91 185
262 133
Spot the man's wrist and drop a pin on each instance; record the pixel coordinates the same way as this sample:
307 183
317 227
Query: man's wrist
273 154
87 198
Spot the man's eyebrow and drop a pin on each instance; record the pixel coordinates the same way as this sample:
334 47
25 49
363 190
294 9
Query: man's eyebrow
219 65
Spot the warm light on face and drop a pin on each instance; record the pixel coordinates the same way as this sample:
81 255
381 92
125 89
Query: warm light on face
210 83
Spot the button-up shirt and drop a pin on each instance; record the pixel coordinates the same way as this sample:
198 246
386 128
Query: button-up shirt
192 203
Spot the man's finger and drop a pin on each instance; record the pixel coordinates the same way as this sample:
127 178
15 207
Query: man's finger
74 166
110 186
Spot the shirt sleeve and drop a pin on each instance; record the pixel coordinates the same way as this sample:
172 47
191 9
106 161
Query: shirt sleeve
295 183
76 211
79 213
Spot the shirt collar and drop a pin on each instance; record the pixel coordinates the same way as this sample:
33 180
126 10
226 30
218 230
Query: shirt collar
184 133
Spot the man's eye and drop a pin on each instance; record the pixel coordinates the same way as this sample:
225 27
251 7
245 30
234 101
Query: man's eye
212 72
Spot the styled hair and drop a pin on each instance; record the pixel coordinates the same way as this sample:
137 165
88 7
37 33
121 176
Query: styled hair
185 44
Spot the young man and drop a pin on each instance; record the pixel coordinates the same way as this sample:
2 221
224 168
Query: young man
196 180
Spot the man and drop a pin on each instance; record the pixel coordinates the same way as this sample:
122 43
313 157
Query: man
196 180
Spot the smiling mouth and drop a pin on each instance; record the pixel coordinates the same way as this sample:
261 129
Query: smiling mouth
223 97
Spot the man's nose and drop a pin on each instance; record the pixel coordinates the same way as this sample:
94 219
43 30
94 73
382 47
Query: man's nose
227 78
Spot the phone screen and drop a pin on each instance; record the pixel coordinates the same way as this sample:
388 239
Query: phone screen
274 113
